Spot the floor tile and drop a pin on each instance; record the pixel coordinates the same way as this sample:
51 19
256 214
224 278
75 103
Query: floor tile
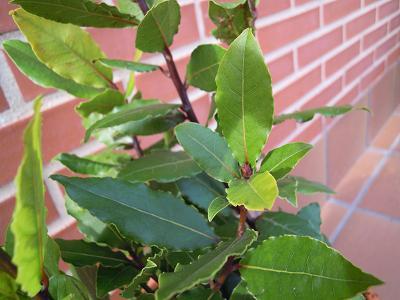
388 133
373 244
384 193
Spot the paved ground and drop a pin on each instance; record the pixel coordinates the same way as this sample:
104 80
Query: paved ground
367 210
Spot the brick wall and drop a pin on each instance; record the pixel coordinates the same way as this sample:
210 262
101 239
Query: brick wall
318 52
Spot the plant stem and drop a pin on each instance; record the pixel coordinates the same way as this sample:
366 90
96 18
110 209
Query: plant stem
136 146
242 221
6 264
253 10
174 75
228 268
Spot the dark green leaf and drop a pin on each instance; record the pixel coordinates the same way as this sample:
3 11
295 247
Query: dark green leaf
63 287
307 115
51 258
8 287
203 66
311 213
231 18
128 65
88 276
305 186
102 103
161 166
200 293
30 241
160 23
209 150
288 190
204 268
244 98
134 208
281 161
241 293
109 279
79 12
23 57
216 206
80 253
131 114
294 267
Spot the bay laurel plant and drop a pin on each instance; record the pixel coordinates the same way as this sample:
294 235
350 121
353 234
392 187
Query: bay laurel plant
191 216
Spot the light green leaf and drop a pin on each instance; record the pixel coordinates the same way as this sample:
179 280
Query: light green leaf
200 293
81 253
305 268
8 287
86 166
257 193
52 258
111 278
209 150
131 8
307 187
30 241
134 208
288 190
79 12
281 161
244 98
160 23
26 61
308 115
201 189
102 103
216 206
231 18
204 268
66 49
161 166
131 114
241 293
128 65
281 223
203 66
63 287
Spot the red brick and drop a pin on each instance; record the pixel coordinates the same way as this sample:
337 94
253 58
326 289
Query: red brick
393 57
374 36
338 9
188 31
372 76
297 89
269 7
318 47
343 58
201 108
301 2
69 233
359 24
349 97
394 23
62 132
385 47
325 96
356 70
367 2
311 131
208 24
279 133
281 67
284 32
3 101
6 22
388 9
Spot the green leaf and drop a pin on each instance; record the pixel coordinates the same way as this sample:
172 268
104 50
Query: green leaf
128 65
8 287
294 267
307 187
160 23
79 12
26 61
102 103
308 115
88 276
81 253
131 8
209 150
93 229
244 98
257 193
203 66
161 166
66 49
63 287
86 166
109 279
30 241
311 213
281 161
241 293
288 190
204 268
230 18
200 293
201 189
134 208
216 206
281 223
131 114
52 258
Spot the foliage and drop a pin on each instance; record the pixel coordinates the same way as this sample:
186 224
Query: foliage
170 221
